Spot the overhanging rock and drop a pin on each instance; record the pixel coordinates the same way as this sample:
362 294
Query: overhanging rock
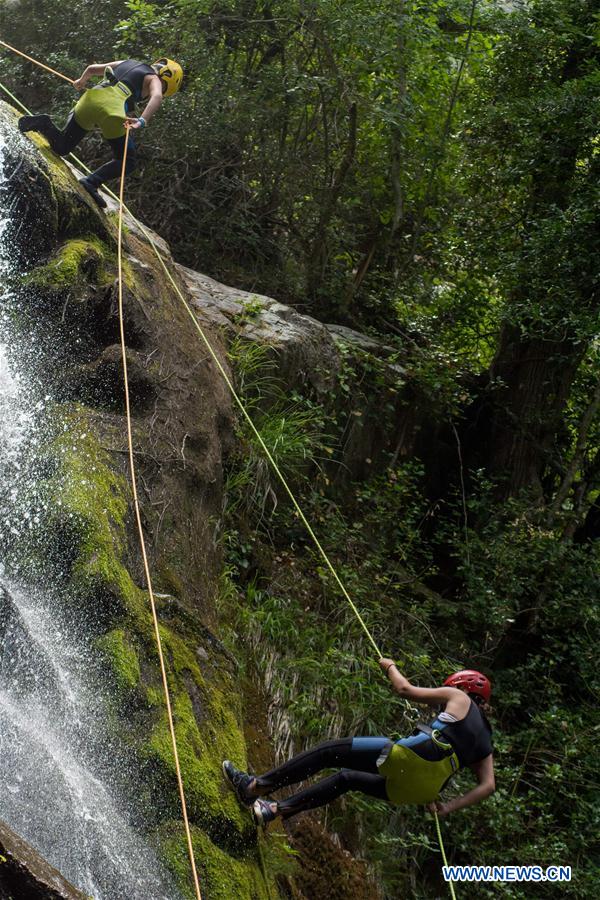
25 875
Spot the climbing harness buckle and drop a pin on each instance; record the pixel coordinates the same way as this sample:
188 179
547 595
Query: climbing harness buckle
435 735
110 80
109 76
437 740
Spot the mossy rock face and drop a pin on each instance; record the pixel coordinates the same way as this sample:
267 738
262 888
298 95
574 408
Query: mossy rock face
88 541
89 502
48 201
122 657
222 875
207 716
85 527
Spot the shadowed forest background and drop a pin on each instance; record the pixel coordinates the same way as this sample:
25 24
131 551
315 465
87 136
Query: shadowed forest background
428 174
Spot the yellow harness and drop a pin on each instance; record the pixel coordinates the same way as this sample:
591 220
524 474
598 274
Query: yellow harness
103 107
410 779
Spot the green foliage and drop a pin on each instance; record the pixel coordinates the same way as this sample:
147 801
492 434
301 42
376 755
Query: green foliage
527 612
432 178
290 426
290 130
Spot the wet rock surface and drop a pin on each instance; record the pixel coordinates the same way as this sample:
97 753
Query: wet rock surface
25 875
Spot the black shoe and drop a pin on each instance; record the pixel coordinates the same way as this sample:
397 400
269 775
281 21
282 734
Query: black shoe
239 782
93 192
34 123
262 813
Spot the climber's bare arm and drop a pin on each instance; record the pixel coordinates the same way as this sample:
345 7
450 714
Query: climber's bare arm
155 98
92 71
484 772
455 701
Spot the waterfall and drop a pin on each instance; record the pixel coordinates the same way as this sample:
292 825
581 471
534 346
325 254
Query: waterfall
58 769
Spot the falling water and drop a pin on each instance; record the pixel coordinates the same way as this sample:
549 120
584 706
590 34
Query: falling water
57 768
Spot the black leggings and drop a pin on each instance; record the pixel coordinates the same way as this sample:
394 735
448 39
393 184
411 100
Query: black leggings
359 773
63 142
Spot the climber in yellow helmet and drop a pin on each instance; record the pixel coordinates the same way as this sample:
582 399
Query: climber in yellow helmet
110 106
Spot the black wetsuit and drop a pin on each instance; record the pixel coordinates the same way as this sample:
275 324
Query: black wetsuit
358 760
470 737
132 72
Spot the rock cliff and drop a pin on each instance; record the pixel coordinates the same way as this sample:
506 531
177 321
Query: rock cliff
184 430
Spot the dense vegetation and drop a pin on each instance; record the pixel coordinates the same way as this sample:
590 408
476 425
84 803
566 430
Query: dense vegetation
427 172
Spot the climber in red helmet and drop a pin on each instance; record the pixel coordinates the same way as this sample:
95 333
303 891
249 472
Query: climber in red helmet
412 770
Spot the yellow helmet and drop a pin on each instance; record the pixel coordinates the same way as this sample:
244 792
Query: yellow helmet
170 73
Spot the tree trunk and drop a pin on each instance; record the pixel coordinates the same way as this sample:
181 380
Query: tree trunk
534 376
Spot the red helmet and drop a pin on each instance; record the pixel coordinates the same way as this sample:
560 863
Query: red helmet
473 681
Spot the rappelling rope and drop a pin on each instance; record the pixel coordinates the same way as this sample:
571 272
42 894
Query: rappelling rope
141 532
289 492
16 99
285 484
283 481
227 379
36 62
254 430
265 449
281 477
438 828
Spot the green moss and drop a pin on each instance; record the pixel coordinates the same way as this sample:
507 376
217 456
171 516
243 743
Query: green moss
201 751
155 697
65 269
67 266
221 876
88 537
122 657
90 501
60 175
200 758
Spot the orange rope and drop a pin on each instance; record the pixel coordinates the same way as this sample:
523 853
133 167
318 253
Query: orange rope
36 62
141 532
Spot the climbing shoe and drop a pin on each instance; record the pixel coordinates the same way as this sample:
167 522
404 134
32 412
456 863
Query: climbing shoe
262 813
34 123
239 782
93 192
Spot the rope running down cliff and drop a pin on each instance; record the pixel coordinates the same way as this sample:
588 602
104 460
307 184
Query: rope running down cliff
138 518
251 424
137 514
